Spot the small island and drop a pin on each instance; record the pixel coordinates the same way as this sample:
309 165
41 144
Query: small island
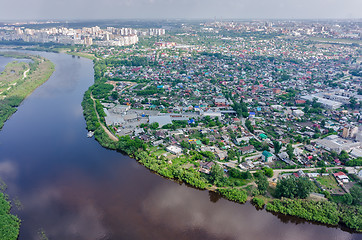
20 79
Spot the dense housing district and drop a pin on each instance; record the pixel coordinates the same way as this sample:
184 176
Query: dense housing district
266 110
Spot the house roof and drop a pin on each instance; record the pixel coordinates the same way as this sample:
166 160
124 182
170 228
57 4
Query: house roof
339 174
267 154
247 148
161 120
263 136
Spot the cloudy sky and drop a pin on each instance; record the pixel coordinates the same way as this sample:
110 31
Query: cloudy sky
161 9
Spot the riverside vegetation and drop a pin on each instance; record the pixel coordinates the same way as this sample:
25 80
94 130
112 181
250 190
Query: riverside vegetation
9 224
19 80
287 198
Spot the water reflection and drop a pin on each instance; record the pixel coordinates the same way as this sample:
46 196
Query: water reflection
185 209
214 197
8 170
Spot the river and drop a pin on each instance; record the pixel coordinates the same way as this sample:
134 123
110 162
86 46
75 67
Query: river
72 188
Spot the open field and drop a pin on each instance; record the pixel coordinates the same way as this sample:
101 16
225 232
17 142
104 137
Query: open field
335 40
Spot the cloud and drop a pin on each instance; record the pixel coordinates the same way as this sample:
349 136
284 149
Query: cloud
8 170
118 9
76 217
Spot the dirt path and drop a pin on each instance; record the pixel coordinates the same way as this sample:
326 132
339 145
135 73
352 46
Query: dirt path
109 133
25 73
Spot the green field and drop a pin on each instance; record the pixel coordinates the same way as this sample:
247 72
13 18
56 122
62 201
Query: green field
328 182
159 152
335 40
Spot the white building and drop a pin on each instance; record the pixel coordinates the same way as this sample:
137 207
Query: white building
326 103
298 113
337 144
174 149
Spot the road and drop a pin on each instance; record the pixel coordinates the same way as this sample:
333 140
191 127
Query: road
278 171
109 133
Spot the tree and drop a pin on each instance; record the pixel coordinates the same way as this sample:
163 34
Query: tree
216 173
154 125
343 156
268 172
10 224
353 102
315 103
277 146
231 154
356 193
299 138
354 162
249 126
305 186
262 183
114 95
290 151
265 146
323 123
334 154
323 168
205 141
293 187
347 199
208 155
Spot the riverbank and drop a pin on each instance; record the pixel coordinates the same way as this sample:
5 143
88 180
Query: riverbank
19 80
319 211
81 54
9 224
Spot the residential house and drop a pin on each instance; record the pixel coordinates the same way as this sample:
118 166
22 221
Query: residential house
267 156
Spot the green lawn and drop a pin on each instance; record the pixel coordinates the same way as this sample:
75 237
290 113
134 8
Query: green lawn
159 152
337 198
328 182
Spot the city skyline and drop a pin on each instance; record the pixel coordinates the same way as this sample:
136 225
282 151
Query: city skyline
186 9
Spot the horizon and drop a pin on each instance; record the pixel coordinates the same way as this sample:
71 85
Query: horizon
38 10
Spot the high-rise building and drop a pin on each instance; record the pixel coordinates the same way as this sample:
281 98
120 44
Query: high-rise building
349 132
88 41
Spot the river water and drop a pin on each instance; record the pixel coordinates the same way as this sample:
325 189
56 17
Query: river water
5 60
72 188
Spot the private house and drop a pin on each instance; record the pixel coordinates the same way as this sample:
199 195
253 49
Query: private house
247 149
267 156
205 167
174 149
341 177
